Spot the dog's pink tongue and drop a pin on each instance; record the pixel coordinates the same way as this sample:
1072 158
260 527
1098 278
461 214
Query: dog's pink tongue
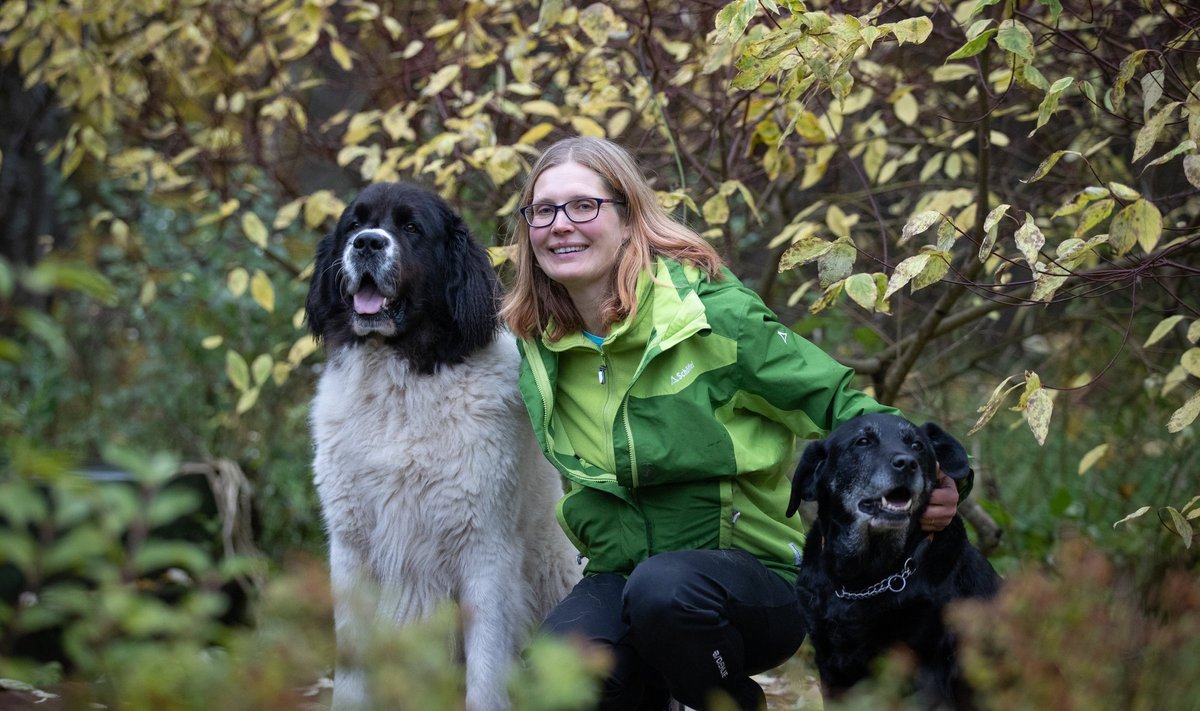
368 301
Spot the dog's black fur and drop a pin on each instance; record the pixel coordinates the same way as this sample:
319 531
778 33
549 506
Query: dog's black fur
441 294
872 478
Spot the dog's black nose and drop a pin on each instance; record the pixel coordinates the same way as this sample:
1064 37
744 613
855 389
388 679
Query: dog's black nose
904 462
370 242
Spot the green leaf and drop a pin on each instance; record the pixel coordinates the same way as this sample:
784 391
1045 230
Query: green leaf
1185 146
157 554
1185 415
1016 38
919 223
906 271
1148 135
914 29
973 47
1129 65
74 550
1048 164
806 249
1030 240
172 504
1136 514
862 290
1050 102
993 404
1095 213
237 370
733 19
991 228
1139 223
1178 525
1191 169
837 263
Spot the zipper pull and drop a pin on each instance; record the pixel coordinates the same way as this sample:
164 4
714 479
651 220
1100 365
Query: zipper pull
600 373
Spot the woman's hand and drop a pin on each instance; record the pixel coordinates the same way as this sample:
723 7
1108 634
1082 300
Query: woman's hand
943 505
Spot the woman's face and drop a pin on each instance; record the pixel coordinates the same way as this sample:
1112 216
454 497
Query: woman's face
580 256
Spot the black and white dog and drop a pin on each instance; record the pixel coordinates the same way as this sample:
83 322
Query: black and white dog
870 579
431 483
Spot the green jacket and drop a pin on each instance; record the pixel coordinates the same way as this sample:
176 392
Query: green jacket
701 436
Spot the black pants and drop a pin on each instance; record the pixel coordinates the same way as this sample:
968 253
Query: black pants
685 623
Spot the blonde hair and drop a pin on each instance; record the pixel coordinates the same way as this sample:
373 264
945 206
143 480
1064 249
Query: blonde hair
536 302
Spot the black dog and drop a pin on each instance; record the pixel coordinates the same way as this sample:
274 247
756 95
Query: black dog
870 579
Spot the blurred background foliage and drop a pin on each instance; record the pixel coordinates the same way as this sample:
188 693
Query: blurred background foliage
988 208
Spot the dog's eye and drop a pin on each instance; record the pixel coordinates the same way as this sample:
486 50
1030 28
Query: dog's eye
411 228
917 447
862 441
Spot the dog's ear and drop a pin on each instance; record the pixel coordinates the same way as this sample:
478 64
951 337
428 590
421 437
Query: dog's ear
808 474
951 456
472 288
322 288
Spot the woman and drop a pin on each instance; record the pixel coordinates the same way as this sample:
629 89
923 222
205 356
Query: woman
670 398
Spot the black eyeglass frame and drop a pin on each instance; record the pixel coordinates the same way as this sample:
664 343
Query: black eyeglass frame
563 208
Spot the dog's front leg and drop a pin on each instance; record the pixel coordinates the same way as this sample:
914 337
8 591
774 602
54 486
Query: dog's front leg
493 599
351 600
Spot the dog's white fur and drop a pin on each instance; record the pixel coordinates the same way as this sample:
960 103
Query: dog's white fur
433 488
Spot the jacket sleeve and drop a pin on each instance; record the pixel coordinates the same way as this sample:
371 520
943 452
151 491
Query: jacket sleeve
792 381
789 379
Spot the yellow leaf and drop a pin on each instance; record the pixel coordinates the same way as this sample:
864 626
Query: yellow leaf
862 290
1191 361
212 342
254 229
585 126
1185 415
541 107
992 406
287 214
503 165
236 370
1139 223
261 368
441 79
716 210
597 21
906 109
304 346
341 55
618 122
1148 134
247 400
1163 328
535 134
905 272
262 291
1089 460
442 28
1039 406
237 281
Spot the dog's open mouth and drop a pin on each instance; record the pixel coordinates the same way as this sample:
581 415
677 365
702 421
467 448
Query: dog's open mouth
894 505
374 311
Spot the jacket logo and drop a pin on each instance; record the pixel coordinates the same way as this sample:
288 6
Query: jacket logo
683 373
783 335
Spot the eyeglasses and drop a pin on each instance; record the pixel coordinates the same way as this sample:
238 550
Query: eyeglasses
579 210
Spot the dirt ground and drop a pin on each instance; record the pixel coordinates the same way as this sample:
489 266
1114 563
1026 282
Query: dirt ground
792 686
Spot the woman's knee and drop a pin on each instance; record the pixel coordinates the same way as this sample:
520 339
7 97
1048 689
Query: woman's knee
669 588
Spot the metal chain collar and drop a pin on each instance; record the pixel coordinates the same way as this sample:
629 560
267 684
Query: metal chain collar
892 583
